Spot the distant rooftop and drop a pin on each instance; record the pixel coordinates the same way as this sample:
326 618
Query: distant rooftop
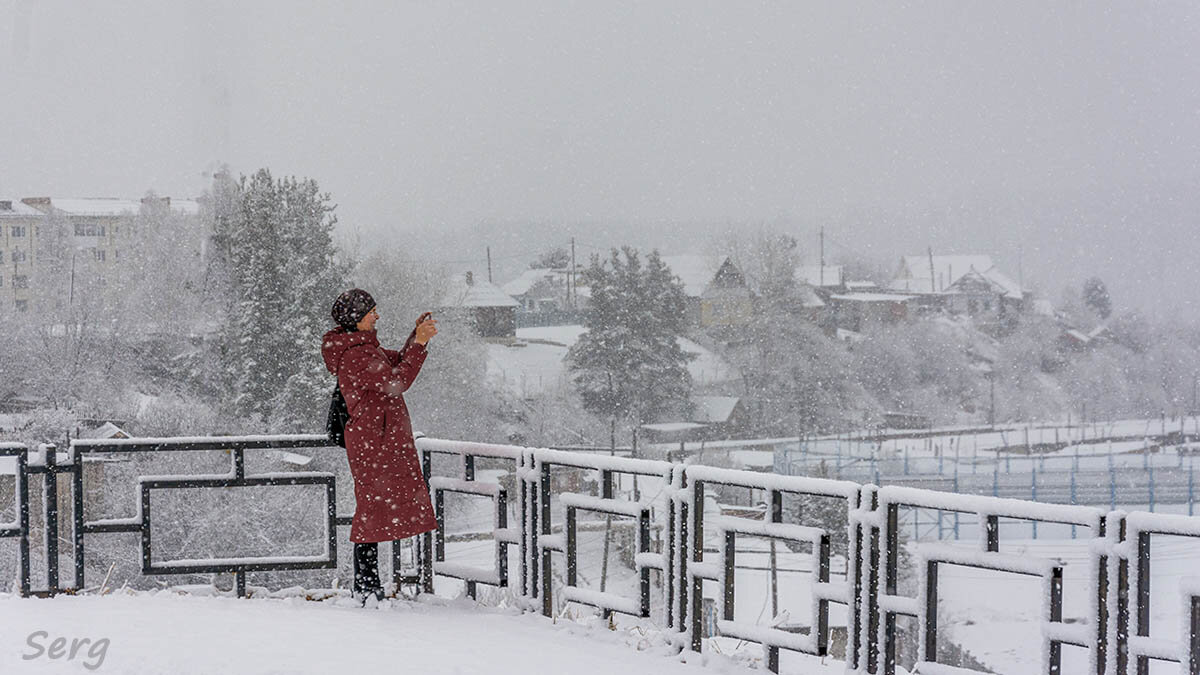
468 290
916 270
101 206
15 207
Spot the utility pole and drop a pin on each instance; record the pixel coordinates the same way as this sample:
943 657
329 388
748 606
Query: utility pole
1020 267
932 275
489 257
572 289
821 273
992 396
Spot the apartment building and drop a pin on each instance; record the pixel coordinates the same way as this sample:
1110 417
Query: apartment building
35 230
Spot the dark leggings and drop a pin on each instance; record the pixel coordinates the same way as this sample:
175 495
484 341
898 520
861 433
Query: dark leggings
366 567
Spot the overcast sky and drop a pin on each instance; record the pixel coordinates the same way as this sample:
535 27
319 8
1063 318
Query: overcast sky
1065 130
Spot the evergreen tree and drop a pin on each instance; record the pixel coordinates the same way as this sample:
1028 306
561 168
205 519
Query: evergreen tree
554 258
274 243
1095 296
628 364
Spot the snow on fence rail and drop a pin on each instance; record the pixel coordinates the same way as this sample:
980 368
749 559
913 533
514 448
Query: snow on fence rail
670 499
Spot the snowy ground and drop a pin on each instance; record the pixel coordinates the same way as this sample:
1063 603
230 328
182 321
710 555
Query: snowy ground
164 632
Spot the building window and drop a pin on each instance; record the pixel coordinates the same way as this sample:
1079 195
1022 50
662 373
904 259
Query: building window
22 305
89 230
18 230
18 255
99 253
116 254
20 281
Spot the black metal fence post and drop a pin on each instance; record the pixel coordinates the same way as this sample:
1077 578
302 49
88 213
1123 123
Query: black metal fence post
1143 596
50 509
426 552
931 603
1194 634
77 514
891 577
696 554
544 507
23 520
1056 593
1122 645
1102 589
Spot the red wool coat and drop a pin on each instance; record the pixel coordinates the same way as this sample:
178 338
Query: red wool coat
389 490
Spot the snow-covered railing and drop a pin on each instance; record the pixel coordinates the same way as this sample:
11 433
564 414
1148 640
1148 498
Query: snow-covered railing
639 508
1133 546
695 481
667 503
887 503
433 550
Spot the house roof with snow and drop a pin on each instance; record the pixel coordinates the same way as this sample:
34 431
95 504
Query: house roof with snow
109 207
93 206
530 278
808 297
727 282
815 275
695 271
466 290
672 427
106 430
871 297
713 409
16 208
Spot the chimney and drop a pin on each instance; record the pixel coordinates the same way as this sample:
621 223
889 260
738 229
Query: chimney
470 279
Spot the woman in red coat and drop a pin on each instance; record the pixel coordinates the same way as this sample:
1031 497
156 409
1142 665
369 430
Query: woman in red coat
391 498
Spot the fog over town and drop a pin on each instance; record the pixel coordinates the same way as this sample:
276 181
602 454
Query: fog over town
1060 133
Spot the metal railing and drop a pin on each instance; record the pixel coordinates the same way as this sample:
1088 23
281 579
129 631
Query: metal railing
537 496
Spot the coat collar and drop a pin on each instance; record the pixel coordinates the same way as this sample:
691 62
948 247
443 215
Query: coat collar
338 341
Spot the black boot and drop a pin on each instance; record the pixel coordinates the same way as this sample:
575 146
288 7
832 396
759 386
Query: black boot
366 572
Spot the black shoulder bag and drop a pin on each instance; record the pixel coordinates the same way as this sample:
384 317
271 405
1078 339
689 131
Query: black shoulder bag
338 416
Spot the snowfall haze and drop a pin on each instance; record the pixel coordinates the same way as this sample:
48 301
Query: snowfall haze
1065 131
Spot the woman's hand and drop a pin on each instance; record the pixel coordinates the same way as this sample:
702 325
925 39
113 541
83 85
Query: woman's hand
426 328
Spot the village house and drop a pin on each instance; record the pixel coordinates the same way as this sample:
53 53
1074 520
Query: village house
490 310
969 285
856 311
727 300
724 417
548 297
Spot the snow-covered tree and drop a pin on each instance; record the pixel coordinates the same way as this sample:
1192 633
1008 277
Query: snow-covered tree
628 364
274 245
1095 296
